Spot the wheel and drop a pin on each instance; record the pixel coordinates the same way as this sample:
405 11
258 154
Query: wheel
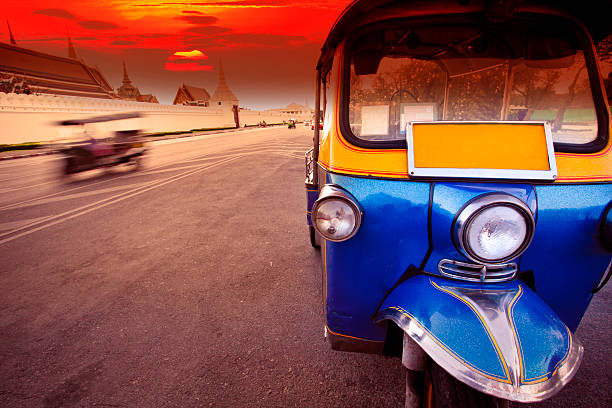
69 166
136 162
314 240
441 390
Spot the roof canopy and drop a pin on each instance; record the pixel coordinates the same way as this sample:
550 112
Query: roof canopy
594 14
46 73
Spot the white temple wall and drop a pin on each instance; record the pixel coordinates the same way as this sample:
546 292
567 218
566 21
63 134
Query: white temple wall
270 117
30 118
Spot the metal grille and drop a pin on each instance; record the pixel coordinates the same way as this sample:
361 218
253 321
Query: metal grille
477 273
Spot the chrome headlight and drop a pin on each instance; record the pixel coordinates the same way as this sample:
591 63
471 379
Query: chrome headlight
336 214
494 228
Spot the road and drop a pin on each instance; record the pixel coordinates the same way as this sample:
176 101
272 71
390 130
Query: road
190 283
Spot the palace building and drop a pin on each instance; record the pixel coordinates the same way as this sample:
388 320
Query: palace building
294 109
129 92
33 72
192 95
27 71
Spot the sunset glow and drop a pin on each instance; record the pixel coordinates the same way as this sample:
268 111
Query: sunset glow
195 54
189 66
269 48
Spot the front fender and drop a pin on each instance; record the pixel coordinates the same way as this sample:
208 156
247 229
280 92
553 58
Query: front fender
501 339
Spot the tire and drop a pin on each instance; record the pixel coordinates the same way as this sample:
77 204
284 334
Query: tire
441 390
69 166
137 163
313 237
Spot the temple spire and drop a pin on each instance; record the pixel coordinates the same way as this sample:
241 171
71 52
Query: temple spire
126 79
11 33
221 74
223 95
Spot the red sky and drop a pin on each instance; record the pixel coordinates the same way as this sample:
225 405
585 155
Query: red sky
268 47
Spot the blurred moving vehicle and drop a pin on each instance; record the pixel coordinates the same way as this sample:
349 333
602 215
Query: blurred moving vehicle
90 151
461 191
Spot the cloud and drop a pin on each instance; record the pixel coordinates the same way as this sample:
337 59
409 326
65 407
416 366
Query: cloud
199 20
153 35
187 66
244 40
123 42
59 13
250 4
245 3
268 40
208 30
191 12
203 25
98 25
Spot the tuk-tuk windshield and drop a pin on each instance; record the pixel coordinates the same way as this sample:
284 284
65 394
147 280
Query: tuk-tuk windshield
463 71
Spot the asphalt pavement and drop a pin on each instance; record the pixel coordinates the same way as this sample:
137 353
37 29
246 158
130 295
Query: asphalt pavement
190 283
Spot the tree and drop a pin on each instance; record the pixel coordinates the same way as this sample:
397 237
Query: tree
604 50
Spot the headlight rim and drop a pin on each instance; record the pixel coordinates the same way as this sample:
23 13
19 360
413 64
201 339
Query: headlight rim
466 215
334 192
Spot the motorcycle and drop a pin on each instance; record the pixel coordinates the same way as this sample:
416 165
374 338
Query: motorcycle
90 152
460 191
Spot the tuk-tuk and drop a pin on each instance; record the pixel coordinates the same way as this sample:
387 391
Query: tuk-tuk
461 191
98 144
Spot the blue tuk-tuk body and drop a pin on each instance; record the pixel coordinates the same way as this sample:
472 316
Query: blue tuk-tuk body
503 327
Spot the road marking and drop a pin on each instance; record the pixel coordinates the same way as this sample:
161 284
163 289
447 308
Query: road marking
21 225
68 215
79 195
10 206
199 137
254 143
17 224
6 190
152 170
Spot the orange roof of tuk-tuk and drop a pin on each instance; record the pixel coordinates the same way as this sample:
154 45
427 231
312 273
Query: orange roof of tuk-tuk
595 15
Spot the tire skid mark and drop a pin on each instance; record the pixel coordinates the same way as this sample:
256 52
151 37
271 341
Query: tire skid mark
253 143
10 206
8 190
80 195
68 215
153 170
